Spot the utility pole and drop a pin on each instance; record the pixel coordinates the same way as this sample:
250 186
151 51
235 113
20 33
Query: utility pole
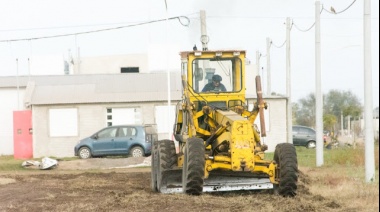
269 88
341 123
204 40
258 62
318 92
288 82
368 107
78 56
204 36
167 71
18 86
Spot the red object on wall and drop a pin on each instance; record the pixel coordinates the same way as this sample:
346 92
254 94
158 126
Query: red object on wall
22 134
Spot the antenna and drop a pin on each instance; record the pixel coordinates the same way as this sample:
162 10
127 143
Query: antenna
18 87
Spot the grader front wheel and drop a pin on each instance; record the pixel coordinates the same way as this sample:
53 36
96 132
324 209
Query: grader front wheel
193 166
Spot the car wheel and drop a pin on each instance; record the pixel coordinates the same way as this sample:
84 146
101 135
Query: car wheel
84 153
311 144
137 152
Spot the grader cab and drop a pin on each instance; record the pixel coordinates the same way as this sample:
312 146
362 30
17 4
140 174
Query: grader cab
219 146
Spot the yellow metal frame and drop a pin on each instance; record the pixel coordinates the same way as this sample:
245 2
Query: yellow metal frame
245 154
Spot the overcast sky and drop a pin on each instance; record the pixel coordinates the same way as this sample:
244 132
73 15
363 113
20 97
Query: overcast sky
243 24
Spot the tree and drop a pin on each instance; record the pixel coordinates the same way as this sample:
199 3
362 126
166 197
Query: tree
295 109
305 113
335 102
329 122
342 102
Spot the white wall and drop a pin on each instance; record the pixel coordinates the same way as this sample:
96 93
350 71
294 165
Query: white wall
91 118
9 103
111 64
250 77
277 126
275 123
165 121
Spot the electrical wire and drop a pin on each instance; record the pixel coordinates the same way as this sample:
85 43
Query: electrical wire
323 9
63 27
271 43
306 30
332 10
303 30
179 18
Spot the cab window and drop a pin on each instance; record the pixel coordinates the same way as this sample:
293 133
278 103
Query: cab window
217 75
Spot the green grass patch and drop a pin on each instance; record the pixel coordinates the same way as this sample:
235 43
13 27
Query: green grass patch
8 163
342 156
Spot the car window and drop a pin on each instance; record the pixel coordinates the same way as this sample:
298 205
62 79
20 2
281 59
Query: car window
107 133
303 131
121 132
127 131
295 130
311 132
132 131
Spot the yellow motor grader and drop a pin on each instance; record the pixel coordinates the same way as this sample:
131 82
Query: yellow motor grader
219 146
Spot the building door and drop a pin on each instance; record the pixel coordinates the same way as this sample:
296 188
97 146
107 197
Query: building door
22 134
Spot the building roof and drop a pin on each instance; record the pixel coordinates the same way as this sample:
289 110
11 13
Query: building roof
102 88
99 88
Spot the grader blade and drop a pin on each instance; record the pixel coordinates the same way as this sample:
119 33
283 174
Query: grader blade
172 182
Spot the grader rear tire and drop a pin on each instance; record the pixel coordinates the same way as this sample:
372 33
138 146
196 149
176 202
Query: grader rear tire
286 158
166 159
193 166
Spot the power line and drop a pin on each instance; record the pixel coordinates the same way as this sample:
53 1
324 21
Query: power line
306 30
62 27
303 30
271 43
179 18
332 10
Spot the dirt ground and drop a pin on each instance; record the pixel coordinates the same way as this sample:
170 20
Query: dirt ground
123 184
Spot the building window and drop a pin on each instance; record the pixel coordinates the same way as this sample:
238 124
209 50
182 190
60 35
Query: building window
63 122
129 70
121 116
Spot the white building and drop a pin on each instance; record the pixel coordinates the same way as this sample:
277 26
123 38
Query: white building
68 108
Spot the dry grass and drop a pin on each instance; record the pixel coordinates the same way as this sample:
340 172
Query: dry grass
338 185
342 179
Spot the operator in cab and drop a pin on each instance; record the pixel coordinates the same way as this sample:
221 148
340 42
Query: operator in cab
215 85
